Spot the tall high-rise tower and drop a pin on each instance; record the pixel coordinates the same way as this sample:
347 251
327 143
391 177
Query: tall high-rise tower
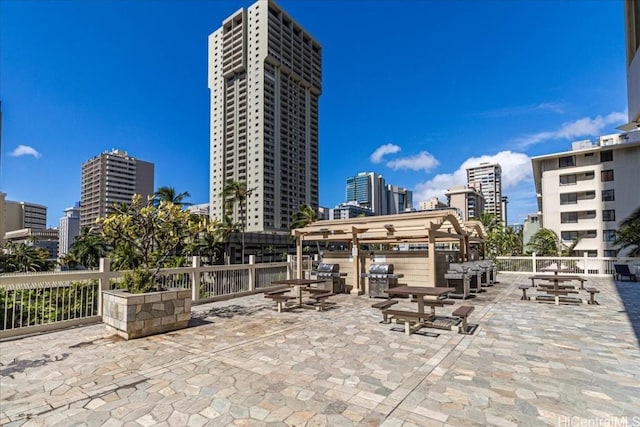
265 83
488 177
368 189
112 177
68 229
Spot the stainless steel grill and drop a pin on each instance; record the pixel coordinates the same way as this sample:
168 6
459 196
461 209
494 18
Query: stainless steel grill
332 276
381 277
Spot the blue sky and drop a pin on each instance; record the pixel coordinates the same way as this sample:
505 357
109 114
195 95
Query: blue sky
416 90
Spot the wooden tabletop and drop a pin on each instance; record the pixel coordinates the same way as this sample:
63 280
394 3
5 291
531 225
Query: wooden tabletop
419 290
297 282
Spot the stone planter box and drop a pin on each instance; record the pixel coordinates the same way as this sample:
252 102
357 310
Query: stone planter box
139 315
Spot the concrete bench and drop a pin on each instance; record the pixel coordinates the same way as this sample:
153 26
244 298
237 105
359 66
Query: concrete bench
463 312
524 292
592 292
382 305
281 301
321 299
405 316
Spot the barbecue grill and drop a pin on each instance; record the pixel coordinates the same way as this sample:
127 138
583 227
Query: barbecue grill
460 280
331 274
381 278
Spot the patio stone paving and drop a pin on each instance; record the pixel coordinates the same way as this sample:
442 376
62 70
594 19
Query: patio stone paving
242 363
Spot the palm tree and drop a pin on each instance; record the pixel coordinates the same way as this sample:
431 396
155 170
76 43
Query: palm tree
28 258
168 194
88 248
306 215
237 191
628 234
224 229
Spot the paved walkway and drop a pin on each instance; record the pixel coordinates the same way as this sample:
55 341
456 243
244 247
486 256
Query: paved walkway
242 363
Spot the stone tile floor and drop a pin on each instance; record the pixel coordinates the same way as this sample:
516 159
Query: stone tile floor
241 363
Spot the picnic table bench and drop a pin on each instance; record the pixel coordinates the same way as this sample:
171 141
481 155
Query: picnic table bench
382 305
557 278
406 316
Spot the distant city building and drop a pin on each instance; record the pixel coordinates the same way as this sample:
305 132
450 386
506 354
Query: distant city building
323 213
19 215
46 239
632 31
68 229
265 79
112 177
504 200
432 204
349 210
399 200
368 189
468 200
200 209
585 193
489 177
529 229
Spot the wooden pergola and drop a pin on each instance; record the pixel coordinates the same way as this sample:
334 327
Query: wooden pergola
423 227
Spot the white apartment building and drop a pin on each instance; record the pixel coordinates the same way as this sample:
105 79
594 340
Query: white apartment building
68 229
585 193
112 177
432 204
488 176
632 32
265 83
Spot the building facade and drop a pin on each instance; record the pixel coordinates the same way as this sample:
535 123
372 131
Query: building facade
368 189
46 239
399 200
585 193
488 177
632 31
112 177
68 229
468 200
349 210
530 227
432 204
19 215
265 83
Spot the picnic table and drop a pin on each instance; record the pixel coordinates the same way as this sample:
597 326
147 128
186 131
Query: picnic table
299 285
425 296
556 286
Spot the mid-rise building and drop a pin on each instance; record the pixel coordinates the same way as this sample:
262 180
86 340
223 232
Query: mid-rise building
19 215
68 229
46 239
530 227
265 82
468 200
632 31
488 176
399 200
432 204
349 210
584 193
368 189
199 209
112 177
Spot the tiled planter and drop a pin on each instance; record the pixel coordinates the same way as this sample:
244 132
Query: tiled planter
139 315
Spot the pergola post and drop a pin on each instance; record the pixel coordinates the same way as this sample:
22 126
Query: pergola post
467 248
432 259
299 256
356 290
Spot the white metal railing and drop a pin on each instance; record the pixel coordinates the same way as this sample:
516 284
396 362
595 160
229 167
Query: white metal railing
577 265
40 302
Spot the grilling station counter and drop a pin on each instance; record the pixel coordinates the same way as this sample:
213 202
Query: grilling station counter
330 276
381 278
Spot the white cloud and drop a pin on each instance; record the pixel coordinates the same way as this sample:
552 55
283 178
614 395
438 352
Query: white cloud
553 107
421 161
576 129
516 169
376 156
25 150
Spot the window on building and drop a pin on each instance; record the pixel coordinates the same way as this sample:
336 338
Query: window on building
567 179
609 215
567 161
568 217
608 195
606 156
606 175
568 199
569 235
608 235
610 253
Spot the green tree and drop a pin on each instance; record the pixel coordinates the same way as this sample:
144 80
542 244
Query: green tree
28 258
223 231
169 194
88 248
627 236
306 215
545 243
152 232
236 193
